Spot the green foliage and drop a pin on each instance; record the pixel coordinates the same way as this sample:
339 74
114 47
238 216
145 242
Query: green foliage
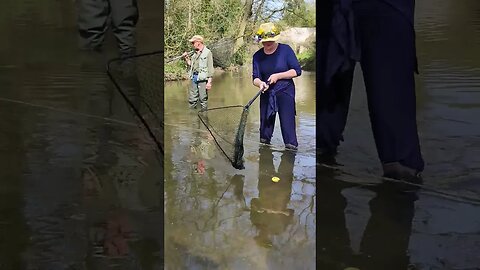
213 19
221 23
307 59
299 13
240 57
175 71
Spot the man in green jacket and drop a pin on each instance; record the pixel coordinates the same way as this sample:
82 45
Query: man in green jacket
95 16
201 72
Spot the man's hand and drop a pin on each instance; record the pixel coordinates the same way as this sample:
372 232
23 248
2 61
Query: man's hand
186 57
273 78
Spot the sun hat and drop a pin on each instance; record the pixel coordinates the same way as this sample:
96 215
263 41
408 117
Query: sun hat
267 32
196 38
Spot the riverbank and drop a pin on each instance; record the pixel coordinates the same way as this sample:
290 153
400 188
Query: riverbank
178 70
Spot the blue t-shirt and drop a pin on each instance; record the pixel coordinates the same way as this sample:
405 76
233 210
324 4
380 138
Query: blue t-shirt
283 59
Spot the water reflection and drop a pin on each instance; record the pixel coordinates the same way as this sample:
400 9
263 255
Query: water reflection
122 187
218 217
384 241
392 212
77 191
238 182
269 212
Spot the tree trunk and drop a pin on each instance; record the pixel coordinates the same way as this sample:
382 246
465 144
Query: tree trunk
189 23
259 11
247 13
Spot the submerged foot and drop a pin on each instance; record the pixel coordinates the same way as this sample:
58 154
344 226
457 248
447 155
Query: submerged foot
326 157
397 171
291 147
264 141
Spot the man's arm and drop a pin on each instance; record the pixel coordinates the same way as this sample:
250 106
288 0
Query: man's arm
295 69
210 67
256 76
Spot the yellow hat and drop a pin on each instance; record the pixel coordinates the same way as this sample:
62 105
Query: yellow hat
196 38
267 32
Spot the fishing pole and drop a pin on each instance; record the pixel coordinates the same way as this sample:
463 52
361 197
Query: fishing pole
180 56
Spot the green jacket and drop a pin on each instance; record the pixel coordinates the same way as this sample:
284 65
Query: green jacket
205 65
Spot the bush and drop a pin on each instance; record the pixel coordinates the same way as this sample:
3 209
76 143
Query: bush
307 60
175 71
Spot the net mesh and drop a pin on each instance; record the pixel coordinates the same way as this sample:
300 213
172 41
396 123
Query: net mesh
222 51
140 81
227 126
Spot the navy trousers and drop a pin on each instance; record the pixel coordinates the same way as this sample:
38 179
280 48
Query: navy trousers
387 56
286 113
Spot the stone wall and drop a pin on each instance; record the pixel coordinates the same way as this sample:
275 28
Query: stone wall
299 38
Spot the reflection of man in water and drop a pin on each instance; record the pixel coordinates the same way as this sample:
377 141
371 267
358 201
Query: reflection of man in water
95 16
390 224
238 182
120 183
201 151
269 212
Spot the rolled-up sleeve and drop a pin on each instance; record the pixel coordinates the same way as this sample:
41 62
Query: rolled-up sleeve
255 68
292 61
211 69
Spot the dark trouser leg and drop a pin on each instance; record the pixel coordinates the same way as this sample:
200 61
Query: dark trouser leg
124 18
388 63
266 125
332 111
92 22
286 113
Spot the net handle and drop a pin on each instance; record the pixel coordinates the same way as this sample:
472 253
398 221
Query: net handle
255 97
178 57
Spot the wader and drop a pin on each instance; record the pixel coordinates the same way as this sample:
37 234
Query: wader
95 17
198 90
